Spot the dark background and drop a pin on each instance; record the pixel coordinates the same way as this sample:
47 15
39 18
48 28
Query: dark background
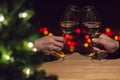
48 12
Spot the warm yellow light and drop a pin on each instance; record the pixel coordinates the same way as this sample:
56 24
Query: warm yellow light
50 34
116 37
72 48
60 54
107 30
89 40
2 18
91 54
86 44
45 32
23 15
34 49
7 57
27 71
30 45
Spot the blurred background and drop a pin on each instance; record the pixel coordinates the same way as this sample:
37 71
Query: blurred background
49 11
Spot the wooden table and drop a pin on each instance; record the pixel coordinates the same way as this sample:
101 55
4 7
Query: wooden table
78 67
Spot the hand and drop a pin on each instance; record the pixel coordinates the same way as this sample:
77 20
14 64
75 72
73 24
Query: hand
108 43
50 45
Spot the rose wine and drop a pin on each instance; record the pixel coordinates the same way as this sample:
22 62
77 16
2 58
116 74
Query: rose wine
68 26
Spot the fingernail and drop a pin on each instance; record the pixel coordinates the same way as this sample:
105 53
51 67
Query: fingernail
94 40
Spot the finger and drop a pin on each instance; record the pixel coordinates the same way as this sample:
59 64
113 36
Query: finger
57 54
102 35
60 54
60 39
99 40
99 50
47 52
56 51
54 48
96 40
96 49
59 44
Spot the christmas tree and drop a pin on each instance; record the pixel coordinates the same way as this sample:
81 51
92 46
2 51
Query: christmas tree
18 58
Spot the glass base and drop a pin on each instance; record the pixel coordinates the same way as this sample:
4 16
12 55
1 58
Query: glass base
61 56
99 61
99 57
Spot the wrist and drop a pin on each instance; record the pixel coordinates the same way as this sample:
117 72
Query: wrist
35 46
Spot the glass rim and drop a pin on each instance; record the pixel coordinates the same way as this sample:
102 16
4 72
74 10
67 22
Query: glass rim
88 7
74 8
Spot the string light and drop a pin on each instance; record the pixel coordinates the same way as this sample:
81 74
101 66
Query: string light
119 38
89 40
107 30
68 42
23 15
50 34
78 30
67 36
7 57
2 18
34 49
73 43
87 37
116 37
45 32
72 48
86 45
45 29
30 44
27 71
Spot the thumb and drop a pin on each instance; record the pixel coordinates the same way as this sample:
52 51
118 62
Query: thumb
97 40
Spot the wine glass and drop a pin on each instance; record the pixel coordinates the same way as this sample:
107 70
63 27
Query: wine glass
70 19
91 22
68 23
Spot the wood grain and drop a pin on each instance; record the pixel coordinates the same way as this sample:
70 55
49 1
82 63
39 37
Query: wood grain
78 67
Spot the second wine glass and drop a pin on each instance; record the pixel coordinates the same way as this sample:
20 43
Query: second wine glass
68 23
91 22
